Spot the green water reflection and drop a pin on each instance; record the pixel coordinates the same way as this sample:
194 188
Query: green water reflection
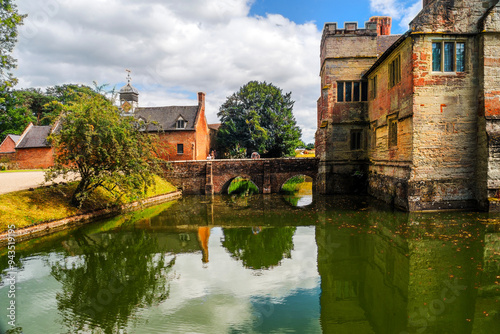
202 265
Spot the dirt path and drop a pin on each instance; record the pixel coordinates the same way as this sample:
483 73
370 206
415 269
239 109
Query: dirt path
23 180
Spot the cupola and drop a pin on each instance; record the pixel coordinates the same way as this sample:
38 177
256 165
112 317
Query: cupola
129 97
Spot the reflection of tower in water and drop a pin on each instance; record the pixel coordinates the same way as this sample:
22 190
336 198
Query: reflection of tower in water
203 236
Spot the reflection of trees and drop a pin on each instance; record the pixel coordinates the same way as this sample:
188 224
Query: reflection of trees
113 277
259 248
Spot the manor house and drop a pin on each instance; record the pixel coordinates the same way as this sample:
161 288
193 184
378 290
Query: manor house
181 132
414 119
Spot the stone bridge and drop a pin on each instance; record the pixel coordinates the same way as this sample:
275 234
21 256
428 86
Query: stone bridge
214 176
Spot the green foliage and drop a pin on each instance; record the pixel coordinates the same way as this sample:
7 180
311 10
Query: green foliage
259 248
9 21
258 118
293 184
34 105
107 150
115 276
310 146
242 186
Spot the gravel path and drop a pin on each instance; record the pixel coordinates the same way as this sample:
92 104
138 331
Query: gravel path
23 180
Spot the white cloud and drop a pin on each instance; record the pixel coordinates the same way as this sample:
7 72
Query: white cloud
174 49
400 10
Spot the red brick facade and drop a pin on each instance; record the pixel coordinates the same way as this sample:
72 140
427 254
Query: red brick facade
195 142
8 145
35 158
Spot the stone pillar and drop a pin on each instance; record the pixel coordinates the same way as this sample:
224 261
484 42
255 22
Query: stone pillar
266 188
209 186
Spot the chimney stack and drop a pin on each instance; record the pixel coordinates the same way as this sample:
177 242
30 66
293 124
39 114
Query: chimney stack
383 24
201 99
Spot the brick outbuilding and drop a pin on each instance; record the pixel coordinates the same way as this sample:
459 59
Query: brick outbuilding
8 145
32 150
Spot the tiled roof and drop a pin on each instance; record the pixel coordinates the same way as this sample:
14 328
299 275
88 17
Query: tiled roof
166 117
14 138
215 126
36 137
384 42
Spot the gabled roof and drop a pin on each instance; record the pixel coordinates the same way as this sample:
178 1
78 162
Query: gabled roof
36 136
214 126
15 138
166 117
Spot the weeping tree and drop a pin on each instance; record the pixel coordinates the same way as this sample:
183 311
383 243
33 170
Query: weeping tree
107 150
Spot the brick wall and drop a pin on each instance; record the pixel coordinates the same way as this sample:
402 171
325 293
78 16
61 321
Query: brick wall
169 140
8 145
267 174
389 171
34 158
202 134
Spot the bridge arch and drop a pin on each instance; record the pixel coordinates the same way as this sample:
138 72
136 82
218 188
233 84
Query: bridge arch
227 184
212 176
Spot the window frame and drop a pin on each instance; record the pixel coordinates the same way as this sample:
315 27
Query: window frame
395 71
373 87
180 149
443 56
356 139
179 122
392 131
358 88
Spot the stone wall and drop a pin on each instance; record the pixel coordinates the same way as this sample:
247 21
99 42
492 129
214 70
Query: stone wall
214 176
345 55
445 129
390 162
488 174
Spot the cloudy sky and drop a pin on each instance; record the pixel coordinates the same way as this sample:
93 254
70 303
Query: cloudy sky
176 48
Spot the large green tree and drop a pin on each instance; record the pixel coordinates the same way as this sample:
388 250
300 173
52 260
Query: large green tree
22 106
10 19
258 118
105 149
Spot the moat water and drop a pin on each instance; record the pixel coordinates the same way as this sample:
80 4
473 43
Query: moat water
259 264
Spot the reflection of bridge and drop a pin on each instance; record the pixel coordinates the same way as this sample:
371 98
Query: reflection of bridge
213 177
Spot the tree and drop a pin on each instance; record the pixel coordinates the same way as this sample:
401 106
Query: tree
258 118
259 248
107 150
117 274
22 106
9 21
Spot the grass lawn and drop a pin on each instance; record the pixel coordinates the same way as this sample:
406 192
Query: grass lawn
26 208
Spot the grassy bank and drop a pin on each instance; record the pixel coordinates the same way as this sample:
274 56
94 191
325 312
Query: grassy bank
242 186
26 208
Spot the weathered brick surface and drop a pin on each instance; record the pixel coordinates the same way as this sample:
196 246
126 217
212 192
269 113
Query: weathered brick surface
267 174
457 16
7 146
345 55
34 158
447 154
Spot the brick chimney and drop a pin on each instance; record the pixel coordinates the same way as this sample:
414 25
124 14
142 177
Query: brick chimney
383 24
201 99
